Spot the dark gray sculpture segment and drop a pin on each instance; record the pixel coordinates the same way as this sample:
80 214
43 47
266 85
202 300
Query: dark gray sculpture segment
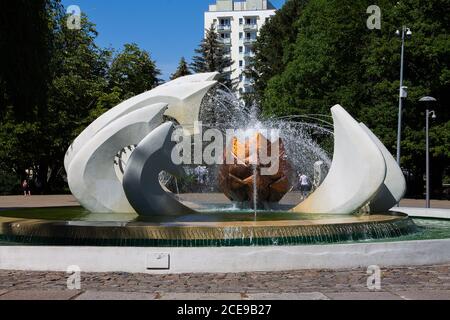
141 178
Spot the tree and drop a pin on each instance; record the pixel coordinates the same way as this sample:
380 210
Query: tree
274 42
211 57
183 70
25 45
75 80
133 71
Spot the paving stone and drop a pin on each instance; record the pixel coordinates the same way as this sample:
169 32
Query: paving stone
39 295
424 278
200 296
100 295
286 296
363 296
425 294
3 292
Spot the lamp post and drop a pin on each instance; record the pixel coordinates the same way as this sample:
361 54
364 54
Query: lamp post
404 34
428 114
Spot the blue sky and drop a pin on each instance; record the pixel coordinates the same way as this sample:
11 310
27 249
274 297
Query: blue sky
168 29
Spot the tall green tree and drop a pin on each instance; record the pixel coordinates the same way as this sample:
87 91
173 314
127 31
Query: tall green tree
76 79
25 46
26 43
273 48
182 70
211 57
133 71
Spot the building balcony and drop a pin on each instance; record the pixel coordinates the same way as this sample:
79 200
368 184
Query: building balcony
225 41
250 27
248 83
224 27
249 54
249 41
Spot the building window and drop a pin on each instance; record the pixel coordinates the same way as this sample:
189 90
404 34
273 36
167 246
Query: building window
240 35
241 21
250 21
224 22
241 49
241 63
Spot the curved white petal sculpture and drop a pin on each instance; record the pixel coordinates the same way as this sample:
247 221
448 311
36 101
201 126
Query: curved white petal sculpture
183 96
89 162
91 176
356 174
394 187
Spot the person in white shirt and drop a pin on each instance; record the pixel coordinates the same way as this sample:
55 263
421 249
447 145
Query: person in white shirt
201 173
304 185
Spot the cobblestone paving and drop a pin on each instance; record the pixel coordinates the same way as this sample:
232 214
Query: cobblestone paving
428 278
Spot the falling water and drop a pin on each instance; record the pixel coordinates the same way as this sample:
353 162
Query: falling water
176 186
304 136
255 191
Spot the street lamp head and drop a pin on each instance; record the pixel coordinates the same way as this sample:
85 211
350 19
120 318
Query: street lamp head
397 33
433 115
427 99
408 33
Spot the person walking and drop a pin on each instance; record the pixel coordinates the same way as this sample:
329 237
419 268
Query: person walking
26 188
304 185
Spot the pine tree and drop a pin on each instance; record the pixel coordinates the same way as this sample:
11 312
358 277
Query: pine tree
183 70
211 57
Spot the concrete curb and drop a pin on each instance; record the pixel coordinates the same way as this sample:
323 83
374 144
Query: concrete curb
424 213
224 260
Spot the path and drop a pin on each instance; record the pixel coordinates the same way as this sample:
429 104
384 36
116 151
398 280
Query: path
428 282
69 200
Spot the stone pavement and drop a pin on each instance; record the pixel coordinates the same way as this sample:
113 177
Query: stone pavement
213 198
37 201
417 283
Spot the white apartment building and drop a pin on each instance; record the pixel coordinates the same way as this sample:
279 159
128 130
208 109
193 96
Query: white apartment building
238 24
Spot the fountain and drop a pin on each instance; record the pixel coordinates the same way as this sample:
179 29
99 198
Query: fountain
243 181
120 168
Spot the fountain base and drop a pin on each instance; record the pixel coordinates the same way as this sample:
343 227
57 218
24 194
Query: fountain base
207 230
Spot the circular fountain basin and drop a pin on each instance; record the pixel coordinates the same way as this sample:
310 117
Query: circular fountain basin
76 227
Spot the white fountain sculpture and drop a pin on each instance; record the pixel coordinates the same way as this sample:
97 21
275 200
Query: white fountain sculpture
358 172
89 162
362 172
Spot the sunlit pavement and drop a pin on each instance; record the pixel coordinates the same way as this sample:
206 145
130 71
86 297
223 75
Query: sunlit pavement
215 198
428 282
